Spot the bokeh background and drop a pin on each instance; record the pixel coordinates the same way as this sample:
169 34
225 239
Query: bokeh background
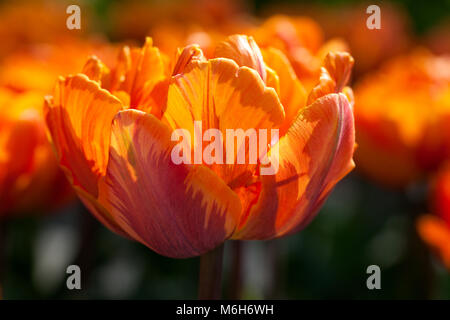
362 223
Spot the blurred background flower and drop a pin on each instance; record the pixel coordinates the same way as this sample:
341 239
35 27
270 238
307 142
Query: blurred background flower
402 113
370 47
30 177
302 40
31 182
26 22
435 228
178 23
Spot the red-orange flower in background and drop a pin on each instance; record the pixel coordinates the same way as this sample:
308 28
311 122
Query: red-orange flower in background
37 67
28 22
370 47
402 116
434 228
301 39
112 132
174 24
30 178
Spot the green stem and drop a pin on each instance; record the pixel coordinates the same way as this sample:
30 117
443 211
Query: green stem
418 260
89 227
2 255
274 260
210 276
236 276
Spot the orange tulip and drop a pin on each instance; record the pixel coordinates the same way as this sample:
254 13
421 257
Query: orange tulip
112 133
435 229
402 116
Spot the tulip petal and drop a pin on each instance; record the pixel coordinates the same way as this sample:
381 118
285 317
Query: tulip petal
315 154
186 56
244 51
99 211
334 76
139 73
222 96
96 70
177 210
79 120
292 93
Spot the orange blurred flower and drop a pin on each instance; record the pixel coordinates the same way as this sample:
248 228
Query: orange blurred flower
402 116
435 229
206 24
37 67
171 23
30 178
29 175
112 132
301 39
29 22
370 47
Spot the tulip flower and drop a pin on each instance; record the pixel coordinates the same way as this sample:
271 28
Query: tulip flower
112 131
402 116
434 228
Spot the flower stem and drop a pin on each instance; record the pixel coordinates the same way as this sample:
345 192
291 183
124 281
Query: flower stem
89 228
274 261
418 262
2 255
236 277
210 276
